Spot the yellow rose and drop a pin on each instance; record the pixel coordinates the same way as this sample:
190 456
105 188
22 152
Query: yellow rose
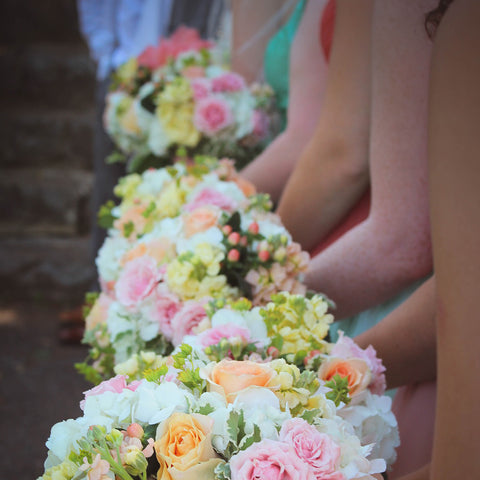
184 449
229 377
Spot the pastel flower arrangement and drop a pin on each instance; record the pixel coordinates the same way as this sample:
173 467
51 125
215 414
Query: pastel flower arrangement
192 418
176 97
291 332
158 269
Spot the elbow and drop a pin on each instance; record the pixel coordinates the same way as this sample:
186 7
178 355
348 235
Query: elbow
408 257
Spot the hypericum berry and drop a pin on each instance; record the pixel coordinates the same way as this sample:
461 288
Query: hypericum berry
234 238
135 431
233 255
273 352
253 228
227 229
264 255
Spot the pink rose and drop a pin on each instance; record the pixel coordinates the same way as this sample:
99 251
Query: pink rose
201 88
229 331
316 449
137 281
164 307
116 385
347 348
189 317
211 115
269 460
228 82
212 198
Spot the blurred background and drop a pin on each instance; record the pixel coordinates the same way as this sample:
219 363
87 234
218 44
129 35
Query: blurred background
47 82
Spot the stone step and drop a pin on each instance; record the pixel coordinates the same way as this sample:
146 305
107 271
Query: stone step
45 200
46 138
29 21
47 75
50 268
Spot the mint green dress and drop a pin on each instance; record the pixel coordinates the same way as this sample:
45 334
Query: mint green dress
277 60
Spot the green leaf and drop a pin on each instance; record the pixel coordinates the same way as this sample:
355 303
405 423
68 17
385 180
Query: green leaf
116 157
128 228
104 217
155 375
205 409
149 210
310 415
340 392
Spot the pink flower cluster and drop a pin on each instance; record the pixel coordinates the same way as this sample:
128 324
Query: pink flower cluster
212 114
346 348
182 40
116 385
302 453
211 197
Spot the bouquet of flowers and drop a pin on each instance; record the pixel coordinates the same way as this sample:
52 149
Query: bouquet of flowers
193 418
175 99
159 269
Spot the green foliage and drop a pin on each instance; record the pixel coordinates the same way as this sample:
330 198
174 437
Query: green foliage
310 415
116 157
149 210
104 217
155 375
340 392
128 228
239 440
222 472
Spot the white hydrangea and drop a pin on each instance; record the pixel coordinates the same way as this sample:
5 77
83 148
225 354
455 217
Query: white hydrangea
158 140
374 423
109 256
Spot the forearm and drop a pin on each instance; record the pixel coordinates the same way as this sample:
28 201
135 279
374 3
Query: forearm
367 266
325 185
269 172
406 339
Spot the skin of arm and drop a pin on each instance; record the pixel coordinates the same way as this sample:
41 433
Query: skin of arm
405 340
332 172
248 62
454 150
391 248
270 170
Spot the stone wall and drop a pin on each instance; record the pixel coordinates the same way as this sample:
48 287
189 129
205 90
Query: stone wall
47 85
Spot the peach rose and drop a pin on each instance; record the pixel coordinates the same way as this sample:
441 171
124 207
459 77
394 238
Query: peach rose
230 377
247 187
184 449
355 369
99 312
134 215
199 220
160 249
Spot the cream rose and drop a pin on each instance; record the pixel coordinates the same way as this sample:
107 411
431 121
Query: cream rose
184 449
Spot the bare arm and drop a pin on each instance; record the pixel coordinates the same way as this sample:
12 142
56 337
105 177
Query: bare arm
270 171
454 150
258 21
391 249
332 172
406 339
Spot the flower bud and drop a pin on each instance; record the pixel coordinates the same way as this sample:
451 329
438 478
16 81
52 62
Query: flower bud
243 241
273 351
135 462
233 255
135 430
234 238
254 228
264 255
280 254
227 229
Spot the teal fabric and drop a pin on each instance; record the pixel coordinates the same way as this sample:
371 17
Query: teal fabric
357 324
277 60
